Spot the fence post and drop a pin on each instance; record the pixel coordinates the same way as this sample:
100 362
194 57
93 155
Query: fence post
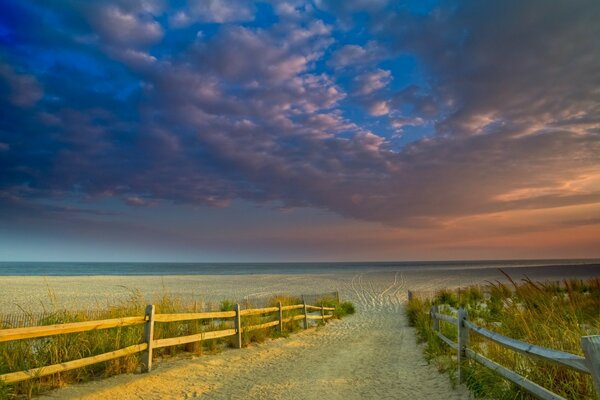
305 315
337 296
591 349
148 338
238 326
323 313
463 341
436 322
280 319
410 295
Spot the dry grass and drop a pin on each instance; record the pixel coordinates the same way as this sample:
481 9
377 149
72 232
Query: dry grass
26 354
553 315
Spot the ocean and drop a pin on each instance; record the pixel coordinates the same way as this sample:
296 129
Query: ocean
172 268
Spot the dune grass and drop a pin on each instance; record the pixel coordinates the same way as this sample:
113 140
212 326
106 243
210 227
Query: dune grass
21 355
554 315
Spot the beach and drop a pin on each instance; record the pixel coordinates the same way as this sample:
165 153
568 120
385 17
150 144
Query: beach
370 288
372 354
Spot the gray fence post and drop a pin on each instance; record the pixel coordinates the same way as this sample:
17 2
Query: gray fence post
280 318
238 326
305 316
591 349
323 313
148 338
463 341
436 322
410 295
337 296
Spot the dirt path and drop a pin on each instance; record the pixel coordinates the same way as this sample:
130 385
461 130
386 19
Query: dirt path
371 355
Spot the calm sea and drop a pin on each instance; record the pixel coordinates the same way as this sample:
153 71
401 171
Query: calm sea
166 268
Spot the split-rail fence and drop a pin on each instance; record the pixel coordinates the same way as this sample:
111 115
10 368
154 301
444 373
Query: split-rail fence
590 364
149 342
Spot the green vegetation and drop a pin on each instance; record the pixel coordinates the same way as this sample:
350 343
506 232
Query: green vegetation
22 355
553 315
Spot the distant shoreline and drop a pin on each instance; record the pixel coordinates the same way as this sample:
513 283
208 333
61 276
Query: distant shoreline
75 269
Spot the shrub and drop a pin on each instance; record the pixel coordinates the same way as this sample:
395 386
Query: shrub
345 308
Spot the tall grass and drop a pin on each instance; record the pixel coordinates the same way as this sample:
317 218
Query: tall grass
22 355
553 315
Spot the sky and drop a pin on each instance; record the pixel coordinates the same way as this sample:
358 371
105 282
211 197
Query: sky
148 130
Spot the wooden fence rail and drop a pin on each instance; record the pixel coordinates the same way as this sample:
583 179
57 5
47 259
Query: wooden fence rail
149 343
590 364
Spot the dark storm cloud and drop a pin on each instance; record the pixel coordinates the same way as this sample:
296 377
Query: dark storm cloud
261 111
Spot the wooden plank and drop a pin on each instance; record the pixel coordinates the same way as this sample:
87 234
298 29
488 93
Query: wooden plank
329 308
238 327
305 314
591 349
312 307
449 308
293 307
73 327
436 322
257 311
558 357
314 317
280 314
193 316
447 318
69 365
261 326
193 338
515 378
148 338
447 341
463 341
294 318
327 316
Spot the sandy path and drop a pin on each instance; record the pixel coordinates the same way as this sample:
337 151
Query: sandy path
371 355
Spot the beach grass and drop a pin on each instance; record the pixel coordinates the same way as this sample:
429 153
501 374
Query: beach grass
22 355
554 315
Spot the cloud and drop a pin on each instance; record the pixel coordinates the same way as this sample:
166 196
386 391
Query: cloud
370 82
229 55
354 55
180 19
379 108
254 111
121 27
400 123
527 62
23 90
136 201
221 11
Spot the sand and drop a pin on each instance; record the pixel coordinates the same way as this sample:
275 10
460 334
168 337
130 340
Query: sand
371 355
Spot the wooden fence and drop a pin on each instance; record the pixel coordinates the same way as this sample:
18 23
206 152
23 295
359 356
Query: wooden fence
149 342
590 364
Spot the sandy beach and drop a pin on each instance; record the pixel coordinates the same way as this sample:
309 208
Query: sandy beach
369 288
372 354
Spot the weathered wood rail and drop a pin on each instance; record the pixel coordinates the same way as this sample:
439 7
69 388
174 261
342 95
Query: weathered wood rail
590 364
149 342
